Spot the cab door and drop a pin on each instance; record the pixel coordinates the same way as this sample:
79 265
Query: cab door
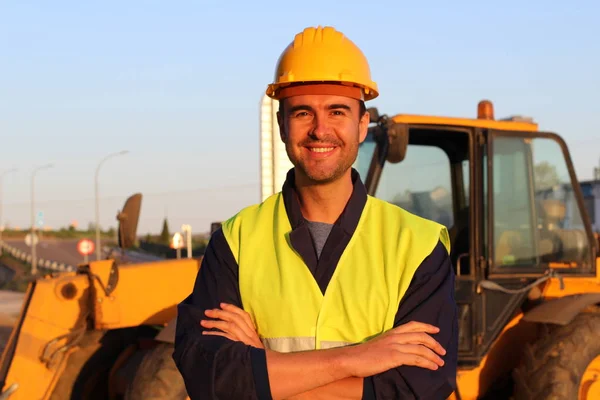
534 223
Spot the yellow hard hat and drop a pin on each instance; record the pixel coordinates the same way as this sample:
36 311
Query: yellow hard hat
323 55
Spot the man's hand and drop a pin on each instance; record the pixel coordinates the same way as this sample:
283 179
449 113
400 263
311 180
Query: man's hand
234 324
408 344
291 374
338 370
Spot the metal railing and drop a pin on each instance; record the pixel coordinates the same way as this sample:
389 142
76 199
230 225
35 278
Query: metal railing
130 256
42 263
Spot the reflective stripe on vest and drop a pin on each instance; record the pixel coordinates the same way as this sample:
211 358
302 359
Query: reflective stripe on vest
290 344
362 298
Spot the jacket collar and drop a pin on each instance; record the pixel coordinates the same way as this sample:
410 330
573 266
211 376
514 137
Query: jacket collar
342 231
348 220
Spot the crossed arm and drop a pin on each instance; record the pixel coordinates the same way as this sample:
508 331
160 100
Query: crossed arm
216 366
309 374
337 373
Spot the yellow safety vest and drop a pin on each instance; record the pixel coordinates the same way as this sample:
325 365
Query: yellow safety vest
285 302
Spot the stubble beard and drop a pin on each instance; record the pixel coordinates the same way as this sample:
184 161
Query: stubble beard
316 175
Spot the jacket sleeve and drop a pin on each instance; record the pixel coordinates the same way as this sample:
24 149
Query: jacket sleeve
212 366
429 299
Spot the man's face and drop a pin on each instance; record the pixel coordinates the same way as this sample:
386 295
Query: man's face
322 134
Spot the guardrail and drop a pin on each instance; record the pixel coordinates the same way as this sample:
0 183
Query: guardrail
129 255
41 263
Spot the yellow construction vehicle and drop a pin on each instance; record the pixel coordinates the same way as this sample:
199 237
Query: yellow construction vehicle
526 259
92 334
527 287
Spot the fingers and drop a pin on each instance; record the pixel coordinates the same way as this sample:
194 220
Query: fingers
422 339
417 333
235 322
230 328
415 326
419 356
232 331
243 314
235 311
418 361
223 334
233 317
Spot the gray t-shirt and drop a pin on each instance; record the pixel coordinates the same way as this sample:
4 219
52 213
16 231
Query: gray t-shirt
319 232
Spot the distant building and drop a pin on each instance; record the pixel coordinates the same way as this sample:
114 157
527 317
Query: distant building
591 200
274 162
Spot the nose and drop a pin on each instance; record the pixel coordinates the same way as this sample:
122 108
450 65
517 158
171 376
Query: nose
320 127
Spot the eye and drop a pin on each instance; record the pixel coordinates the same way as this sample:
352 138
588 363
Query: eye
301 114
338 112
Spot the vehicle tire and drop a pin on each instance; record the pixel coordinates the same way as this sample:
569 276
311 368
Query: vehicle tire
83 369
87 369
553 367
157 377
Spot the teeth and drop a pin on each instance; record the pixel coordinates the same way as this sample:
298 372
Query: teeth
321 149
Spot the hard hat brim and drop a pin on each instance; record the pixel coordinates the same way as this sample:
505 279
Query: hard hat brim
279 91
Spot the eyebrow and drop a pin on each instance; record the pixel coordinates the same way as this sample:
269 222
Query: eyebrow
304 107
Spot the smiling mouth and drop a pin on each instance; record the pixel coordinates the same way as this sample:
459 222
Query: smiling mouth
321 149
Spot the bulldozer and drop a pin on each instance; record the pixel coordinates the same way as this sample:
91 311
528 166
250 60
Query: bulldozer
525 257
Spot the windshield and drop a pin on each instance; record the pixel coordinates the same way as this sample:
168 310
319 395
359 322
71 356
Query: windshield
536 215
420 184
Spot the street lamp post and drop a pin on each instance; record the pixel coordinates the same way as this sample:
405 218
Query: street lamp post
1 196
33 241
98 250
188 238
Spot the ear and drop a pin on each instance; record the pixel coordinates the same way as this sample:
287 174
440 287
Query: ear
363 127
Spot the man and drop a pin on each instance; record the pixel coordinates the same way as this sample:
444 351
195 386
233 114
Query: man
321 291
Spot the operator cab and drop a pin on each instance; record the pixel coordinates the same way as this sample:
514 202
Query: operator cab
507 194
536 213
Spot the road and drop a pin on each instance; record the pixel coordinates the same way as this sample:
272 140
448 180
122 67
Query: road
59 250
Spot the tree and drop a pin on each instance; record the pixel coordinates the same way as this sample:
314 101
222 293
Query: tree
165 236
545 176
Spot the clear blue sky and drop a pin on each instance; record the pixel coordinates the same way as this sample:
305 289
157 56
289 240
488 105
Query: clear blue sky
179 84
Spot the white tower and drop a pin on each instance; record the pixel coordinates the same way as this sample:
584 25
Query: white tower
274 162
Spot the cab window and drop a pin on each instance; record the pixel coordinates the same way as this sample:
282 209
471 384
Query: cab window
537 219
420 184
